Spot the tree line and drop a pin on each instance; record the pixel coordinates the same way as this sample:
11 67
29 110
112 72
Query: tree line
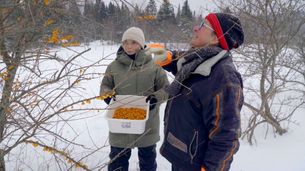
100 21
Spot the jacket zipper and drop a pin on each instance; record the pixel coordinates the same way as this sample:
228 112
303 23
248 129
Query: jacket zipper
167 114
131 69
194 140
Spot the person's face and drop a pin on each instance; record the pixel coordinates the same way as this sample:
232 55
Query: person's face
131 47
203 35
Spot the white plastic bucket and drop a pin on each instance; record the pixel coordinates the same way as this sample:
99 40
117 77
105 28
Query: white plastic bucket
127 126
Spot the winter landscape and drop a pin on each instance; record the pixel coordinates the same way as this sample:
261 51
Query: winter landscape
276 153
53 56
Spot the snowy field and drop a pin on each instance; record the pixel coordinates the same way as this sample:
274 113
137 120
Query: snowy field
279 153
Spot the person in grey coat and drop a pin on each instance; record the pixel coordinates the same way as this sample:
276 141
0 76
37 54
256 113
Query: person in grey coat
133 72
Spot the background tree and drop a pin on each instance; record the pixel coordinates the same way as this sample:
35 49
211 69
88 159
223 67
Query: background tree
102 12
89 22
178 14
35 96
151 8
88 9
166 19
148 21
73 19
166 13
96 10
270 26
186 22
110 31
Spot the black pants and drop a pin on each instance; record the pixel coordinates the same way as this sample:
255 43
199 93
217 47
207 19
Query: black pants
175 168
147 159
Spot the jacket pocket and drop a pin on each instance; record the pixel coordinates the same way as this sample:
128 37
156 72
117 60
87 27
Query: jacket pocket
175 142
193 147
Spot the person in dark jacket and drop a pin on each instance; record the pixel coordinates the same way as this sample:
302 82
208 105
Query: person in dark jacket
202 116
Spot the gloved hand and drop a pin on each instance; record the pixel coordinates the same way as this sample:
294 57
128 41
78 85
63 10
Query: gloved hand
107 96
161 56
152 101
108 99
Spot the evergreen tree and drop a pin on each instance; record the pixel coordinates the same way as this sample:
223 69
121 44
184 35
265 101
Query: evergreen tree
124 18
88 9
73 8
151 8
186 12
115 22
73 20
102 12
137 10
166 13
111 10
186 21
166 21
148 21
96 10
178 13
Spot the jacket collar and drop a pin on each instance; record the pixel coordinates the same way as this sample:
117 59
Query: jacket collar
205 67
140 59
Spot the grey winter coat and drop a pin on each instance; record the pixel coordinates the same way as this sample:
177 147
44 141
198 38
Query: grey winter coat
136 77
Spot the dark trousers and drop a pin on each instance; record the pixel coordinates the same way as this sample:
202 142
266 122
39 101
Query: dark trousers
147 158
175 168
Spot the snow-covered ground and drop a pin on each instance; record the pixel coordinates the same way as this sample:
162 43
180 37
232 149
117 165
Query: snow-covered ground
280 153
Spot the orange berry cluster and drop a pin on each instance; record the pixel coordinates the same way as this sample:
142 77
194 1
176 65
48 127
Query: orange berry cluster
130 113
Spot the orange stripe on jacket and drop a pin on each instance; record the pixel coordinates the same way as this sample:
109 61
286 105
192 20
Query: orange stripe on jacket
229 156
217 117
202 169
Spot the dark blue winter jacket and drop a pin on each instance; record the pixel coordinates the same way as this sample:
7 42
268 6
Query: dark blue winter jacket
202 122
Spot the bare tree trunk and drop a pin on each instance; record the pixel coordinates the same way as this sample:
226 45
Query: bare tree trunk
2 163
5 102
11 69
2 123
274 122
265 93
2 114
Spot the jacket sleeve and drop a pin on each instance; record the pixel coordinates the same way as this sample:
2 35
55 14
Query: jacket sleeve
172 67
223 123
161 81
107 81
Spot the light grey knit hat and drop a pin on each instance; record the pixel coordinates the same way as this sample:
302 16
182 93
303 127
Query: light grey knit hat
135 34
